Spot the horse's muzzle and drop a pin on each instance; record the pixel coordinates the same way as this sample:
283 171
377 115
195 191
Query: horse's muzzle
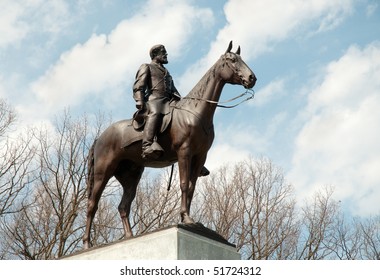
250 82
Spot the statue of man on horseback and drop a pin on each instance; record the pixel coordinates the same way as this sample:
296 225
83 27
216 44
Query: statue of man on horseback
123 152
152 90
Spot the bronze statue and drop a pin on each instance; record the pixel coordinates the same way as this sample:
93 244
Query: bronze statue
185 135
153 88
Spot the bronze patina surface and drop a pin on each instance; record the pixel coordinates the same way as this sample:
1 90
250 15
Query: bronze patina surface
187 140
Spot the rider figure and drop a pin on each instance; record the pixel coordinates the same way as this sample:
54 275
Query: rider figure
153 87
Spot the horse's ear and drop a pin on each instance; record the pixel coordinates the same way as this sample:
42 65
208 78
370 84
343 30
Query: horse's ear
229 47
238 51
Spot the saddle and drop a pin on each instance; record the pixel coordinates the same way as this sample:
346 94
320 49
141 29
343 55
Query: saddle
138 122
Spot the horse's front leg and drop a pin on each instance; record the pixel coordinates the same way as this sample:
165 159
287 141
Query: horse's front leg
184 176
195 170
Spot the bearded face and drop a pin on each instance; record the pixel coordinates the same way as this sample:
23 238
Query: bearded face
162 56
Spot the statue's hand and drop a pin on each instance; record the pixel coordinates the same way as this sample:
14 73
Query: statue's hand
140 104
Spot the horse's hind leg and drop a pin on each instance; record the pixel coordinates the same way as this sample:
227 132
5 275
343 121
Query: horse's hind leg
129 176
100 182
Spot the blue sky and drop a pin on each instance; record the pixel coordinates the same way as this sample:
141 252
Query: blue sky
316 109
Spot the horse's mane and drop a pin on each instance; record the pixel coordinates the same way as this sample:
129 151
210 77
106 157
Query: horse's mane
200 87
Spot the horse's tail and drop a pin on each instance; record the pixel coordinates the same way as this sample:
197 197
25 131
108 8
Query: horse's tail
90 170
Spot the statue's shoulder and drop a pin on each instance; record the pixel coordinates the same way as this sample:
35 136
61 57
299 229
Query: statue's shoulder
144 67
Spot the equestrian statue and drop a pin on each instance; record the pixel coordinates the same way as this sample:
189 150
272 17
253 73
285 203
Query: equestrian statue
165 129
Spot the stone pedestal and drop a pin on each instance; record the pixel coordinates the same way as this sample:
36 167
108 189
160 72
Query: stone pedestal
178 242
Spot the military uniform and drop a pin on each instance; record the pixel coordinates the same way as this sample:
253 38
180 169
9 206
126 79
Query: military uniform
153 87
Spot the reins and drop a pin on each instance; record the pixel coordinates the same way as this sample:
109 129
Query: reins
249 92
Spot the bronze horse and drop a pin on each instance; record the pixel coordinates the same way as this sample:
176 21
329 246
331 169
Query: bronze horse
186 140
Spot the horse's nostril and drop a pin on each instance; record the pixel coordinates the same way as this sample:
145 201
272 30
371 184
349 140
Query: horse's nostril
252 80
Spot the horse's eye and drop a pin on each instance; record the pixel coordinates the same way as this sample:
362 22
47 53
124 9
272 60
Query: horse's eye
233 59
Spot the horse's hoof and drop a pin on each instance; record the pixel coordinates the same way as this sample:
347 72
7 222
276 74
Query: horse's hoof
128 235
204 172
187 220
86 245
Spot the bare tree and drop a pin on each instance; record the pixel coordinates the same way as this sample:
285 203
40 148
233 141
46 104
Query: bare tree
155 207
253 207
16 157
371 238
107 224
52 225
319 220
216 203
16 154
271 226
49 227
7 117
43 200
356 238
346 241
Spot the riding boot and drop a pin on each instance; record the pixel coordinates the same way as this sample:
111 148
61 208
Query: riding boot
151 149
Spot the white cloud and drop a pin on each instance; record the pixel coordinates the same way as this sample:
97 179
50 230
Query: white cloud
339 143
106 61
225 154
371 9
258 25
2 89
271 91
11 29
233 143
18 19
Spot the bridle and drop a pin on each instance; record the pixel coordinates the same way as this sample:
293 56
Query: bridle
250 93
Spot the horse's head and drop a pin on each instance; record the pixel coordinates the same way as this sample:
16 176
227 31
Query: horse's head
235 70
